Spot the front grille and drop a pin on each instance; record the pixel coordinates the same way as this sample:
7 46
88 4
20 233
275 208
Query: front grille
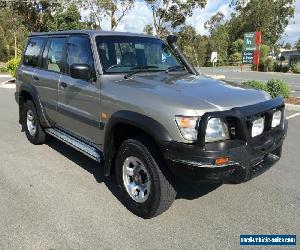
232 125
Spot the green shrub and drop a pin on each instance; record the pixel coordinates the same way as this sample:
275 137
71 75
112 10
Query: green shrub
295 69
285 69
12 66
270 65
235 58
277 87
2 69
281 68
274 87
256 85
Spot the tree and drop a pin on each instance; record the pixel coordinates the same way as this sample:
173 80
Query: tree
287 46
193 45
35 15
220 42
215 22
12 34
115 10
298 45
148 29
168 14
270 17
67 20
219 36
237 46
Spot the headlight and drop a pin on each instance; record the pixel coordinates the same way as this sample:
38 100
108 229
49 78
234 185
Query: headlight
188 126
258 127
216 130
276 119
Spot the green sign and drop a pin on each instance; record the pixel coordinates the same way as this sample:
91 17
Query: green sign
249 41
247 57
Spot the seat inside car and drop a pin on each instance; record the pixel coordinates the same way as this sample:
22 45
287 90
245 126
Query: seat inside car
129 59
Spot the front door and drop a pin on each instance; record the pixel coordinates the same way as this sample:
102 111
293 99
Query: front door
79 100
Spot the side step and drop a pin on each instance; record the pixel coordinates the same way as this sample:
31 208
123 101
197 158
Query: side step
76 144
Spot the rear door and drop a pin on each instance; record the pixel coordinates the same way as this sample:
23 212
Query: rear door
79 100
31 59
47 76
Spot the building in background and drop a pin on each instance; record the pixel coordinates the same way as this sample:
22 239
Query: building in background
289 57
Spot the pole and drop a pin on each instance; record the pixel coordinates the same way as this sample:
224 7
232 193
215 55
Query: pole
16 52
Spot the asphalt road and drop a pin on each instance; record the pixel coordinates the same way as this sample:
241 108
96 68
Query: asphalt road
235 75
52 197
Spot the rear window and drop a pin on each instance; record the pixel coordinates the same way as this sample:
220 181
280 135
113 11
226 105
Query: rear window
33 50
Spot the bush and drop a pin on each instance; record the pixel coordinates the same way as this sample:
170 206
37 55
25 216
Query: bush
235 58
295 69
256 85
284 68
274 87
277 87
12 66
270 65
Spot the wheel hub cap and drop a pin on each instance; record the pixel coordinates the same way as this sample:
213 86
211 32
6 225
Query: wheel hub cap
136 179
31 123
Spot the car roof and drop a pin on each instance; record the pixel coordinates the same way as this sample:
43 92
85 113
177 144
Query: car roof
90 33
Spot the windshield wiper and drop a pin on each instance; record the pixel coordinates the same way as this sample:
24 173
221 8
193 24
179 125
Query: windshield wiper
175 68
138 69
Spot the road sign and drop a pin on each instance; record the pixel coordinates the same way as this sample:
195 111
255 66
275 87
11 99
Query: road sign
247 57
256 55
258 38
214 57
249 41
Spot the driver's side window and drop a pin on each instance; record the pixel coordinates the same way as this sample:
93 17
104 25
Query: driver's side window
79 52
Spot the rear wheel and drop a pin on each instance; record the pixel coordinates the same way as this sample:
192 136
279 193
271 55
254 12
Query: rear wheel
146 190
34 132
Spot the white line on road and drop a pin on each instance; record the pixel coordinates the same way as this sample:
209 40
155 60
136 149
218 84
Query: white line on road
292 116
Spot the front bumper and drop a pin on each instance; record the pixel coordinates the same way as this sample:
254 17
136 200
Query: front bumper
248 157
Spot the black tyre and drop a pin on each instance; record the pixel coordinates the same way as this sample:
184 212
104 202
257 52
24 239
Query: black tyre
146 190
31 124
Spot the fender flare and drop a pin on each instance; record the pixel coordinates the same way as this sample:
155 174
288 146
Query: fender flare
30 89
152 127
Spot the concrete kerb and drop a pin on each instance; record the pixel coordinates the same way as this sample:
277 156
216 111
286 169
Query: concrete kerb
292 107
7 84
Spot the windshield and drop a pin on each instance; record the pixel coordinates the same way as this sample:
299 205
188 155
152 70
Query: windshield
123 54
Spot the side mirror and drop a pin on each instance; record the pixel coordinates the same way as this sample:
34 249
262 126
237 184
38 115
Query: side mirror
81 71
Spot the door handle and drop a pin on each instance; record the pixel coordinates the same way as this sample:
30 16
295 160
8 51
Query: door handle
63 85
36 78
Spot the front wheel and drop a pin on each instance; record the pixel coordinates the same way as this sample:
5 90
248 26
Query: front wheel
31 124
146 190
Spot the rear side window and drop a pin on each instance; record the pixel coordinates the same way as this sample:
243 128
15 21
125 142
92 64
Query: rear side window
53 54
33 50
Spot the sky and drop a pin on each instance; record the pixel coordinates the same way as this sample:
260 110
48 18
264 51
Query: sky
141 15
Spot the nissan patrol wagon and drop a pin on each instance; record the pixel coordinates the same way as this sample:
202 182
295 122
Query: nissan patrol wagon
136 105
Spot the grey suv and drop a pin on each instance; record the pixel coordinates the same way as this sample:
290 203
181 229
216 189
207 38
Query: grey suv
136 105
